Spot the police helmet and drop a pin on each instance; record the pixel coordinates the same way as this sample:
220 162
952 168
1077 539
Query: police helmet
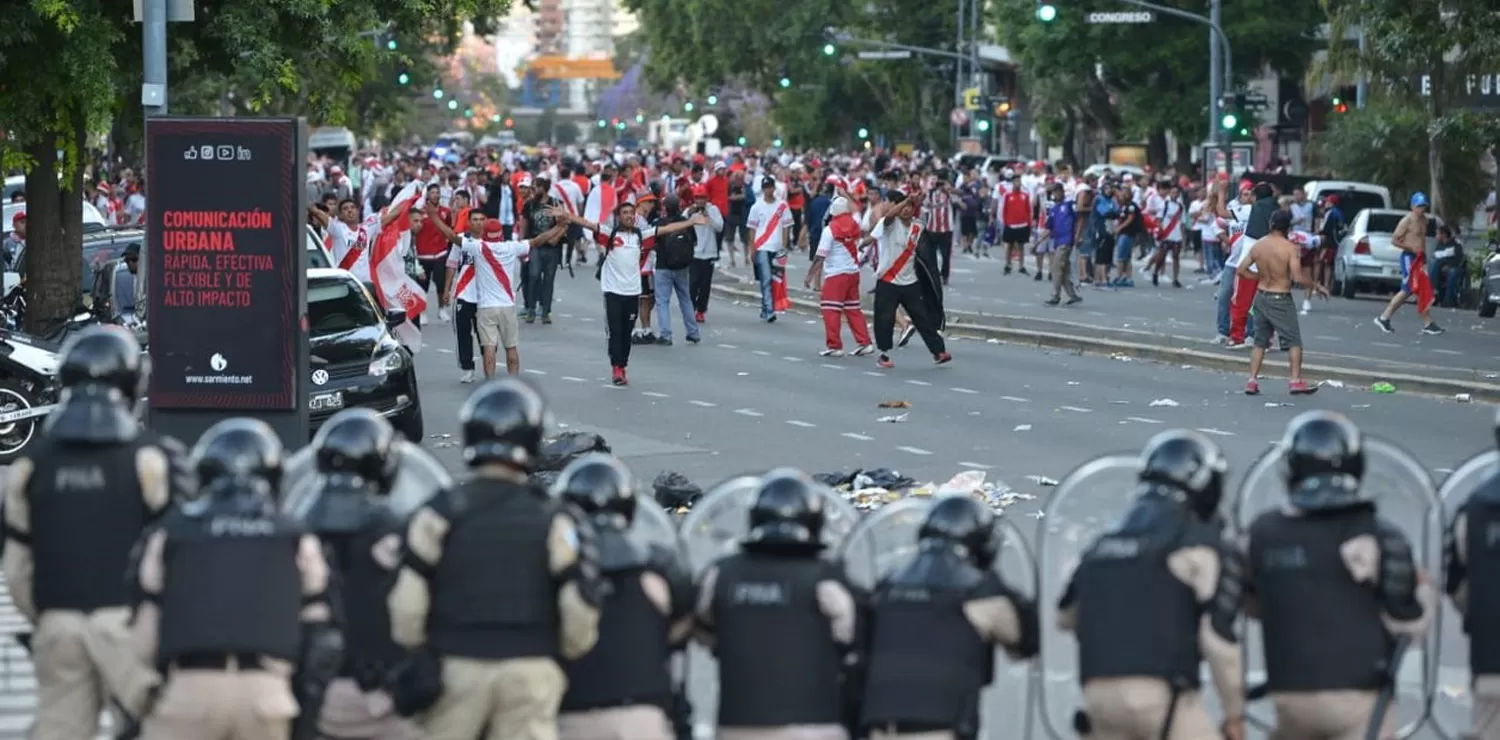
787 511
357 449
1189 462
601 486
1497 426
962 521
105 356
503 422
238 451
1325 461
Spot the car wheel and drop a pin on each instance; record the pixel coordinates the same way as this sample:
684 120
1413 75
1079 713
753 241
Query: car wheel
1346 286
1486 309
411 426
17 435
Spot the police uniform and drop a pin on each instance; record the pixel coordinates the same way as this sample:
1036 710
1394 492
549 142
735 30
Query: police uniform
232 599
933 627
1154 598
75 504
498 632
1333 584
781 622
623 688
358 459
1473 583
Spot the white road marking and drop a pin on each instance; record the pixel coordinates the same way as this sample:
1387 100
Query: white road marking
1385 344
1143 420
976 466
566 315
963 390
789 358
1447 352
1215 432
872 372
728 346
748 412
588 318
1077 409
761 352
860 437
572 379
803 424
704 404
1016 399
918 382
832 366
1326 338
654 394
445 350
914 450
536 372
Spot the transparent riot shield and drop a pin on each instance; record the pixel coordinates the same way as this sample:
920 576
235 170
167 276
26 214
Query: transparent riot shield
1088 502
887 538
1453 700
418 478
1405 496
713 529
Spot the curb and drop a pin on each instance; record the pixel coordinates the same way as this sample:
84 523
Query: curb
1447 388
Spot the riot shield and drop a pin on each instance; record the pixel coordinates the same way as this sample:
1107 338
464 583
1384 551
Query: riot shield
1088 502
713 529
418 477
1450 709
887 539
1406 497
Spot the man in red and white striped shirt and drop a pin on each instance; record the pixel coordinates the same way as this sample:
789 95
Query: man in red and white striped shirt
937 238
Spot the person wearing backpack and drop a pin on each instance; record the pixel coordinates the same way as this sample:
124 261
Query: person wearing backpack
674 262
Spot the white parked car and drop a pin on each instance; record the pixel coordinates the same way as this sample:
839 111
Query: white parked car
1366 260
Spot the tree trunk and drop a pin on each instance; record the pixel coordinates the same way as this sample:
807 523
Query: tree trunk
1184 156
1436 110
54 240
1156 149
1070 138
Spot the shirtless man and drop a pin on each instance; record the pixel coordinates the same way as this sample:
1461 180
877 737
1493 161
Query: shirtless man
1411 238
1279 261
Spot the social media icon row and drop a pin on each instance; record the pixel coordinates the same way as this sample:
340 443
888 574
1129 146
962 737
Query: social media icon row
222 152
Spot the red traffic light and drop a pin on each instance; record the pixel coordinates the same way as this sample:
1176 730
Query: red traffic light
1341 108
510 123
614 121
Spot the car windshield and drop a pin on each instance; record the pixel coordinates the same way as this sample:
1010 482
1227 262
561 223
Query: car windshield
1385 223
1351 202
338 305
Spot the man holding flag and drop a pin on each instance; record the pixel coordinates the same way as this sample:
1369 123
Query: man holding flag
394 288
1411 238
771 225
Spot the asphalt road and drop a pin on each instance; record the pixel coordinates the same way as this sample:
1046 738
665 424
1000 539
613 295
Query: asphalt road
1336 332
752 396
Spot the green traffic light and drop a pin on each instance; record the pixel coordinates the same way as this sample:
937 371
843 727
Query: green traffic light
741 141
713 100
1229 121
453 105
1046 12
601 123
786 82
982 126
468 113
830 50
620 126
776 143
438 93
688 106
640 119
403 78
391 44
864 133
495 118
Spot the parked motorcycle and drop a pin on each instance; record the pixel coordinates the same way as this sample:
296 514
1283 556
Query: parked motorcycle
29 390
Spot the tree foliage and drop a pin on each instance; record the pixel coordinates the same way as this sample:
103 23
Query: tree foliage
1448 40
67 67
1140 80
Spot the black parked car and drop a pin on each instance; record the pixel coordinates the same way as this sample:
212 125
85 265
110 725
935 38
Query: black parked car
354 359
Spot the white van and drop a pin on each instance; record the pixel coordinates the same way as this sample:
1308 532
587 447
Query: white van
1353 196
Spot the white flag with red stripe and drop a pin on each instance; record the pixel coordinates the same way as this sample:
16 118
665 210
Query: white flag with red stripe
600 206
570 194
393 287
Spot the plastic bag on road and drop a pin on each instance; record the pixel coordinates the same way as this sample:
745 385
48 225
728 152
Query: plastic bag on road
674 491
565 448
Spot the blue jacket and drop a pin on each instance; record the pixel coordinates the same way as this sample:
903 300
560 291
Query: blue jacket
1060 222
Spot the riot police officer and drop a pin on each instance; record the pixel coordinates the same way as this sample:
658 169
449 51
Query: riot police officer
1336 585
1157 595
781 620
934 624
77 502
497 580
1472 563
357 457
623 687
233 599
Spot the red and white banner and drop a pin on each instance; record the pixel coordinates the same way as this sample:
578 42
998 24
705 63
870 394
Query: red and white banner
393 287
600 207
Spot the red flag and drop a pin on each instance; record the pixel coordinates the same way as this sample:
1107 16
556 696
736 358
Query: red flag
779 299
1419 284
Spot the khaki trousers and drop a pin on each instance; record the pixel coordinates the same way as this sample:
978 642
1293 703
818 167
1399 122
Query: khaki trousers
351 713
222 705
82 661
1136 709
497 700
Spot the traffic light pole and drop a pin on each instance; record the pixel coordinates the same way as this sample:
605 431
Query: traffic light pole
1215 92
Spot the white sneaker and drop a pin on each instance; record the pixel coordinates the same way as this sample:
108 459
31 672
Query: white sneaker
864 350
466 376
1306 306
1221 339
831 353
444 315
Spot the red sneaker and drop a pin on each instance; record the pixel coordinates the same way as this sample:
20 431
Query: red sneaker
884 362
617 375
942 358
1252 388
1301 388
623 380
699 317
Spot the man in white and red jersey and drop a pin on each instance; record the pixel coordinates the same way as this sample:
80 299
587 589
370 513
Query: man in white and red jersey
896 237
463 294
432 245
837 265
937 238
1015 222
497 272
771 227
1170 217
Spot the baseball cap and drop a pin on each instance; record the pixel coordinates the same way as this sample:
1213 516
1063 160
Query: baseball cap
1419 199
493 229
767 182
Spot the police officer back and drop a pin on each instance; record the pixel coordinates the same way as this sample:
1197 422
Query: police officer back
1472 555
781 620
1153 598
622 688
1333 585
358 456
492 580
75 505
233 599
934 624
